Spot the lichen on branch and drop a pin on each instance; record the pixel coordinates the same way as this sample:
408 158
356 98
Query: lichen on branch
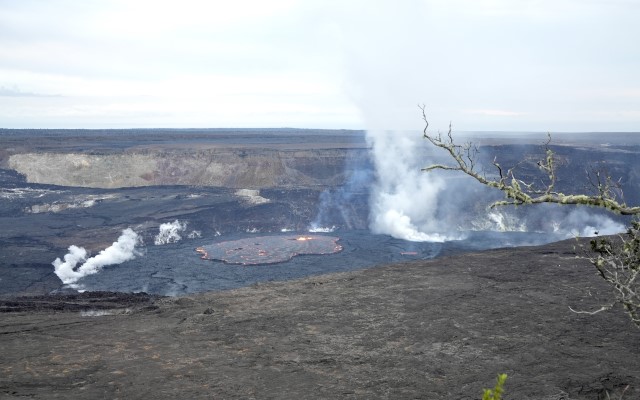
617 261
516 191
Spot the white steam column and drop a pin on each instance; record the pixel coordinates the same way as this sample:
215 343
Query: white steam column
124 249
404 199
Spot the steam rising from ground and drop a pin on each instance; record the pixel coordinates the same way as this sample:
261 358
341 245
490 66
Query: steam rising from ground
124 249
410 204
170 232
322 229
386 81
404 199
580 222
561 221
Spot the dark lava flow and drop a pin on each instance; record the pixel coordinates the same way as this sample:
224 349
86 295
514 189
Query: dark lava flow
39 222
31 241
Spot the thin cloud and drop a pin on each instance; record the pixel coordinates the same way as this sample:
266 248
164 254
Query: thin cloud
485 65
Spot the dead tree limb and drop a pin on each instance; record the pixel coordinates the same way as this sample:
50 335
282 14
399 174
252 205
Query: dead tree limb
518 192
617 261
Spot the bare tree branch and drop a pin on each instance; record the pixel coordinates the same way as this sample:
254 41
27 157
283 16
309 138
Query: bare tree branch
617 262
516 191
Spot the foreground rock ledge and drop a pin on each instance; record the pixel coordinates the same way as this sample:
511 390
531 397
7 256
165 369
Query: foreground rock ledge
439 329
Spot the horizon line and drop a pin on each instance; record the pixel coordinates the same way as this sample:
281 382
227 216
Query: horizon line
289 128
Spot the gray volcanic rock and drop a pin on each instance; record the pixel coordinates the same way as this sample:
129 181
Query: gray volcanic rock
232 158
230 168
439 329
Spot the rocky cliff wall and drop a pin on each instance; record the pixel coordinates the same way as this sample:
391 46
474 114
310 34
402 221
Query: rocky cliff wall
233 168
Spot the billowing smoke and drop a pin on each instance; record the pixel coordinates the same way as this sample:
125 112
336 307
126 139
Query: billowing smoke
579 222
496 221
562 221
169 232
395 58
404 200
409 204
124 249
392 67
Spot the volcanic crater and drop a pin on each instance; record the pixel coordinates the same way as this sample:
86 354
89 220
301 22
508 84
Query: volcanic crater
368 316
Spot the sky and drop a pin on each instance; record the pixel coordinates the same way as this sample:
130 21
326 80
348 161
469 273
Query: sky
483 65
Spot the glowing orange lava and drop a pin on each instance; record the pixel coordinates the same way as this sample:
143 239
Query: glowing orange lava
203 252
256 250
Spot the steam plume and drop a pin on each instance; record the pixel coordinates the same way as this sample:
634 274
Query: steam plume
169 232
124 249
559 220
580 222
404 200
